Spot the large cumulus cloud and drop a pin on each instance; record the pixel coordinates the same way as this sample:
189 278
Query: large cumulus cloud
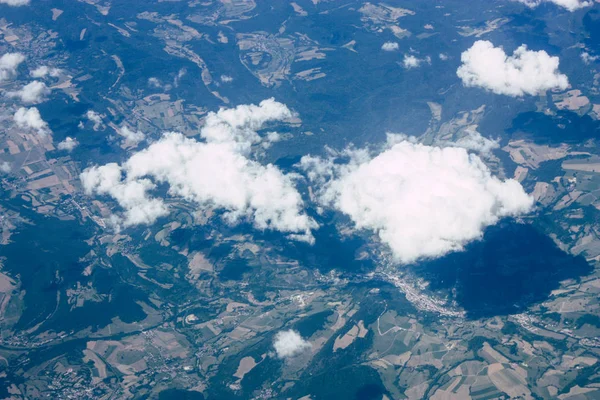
131 194
33 93
570 5
218 173
289 344
525 72
31 119
9 63
422 201
15 3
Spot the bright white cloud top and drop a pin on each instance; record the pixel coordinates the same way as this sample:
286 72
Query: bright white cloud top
96 119
31 119
33 93
525 72
571 5
289 344
130 137
411 61
44 71
131 194
9 63
15 3
422 201
472 140
216 174
390 46
68 144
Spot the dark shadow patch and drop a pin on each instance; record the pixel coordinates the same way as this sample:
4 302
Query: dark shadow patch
179 394
547 171
331 250
565 127
75 45
231 265
351 382
46 258
306 327
513 267
234 269
526 28
370 391
286 163
591 22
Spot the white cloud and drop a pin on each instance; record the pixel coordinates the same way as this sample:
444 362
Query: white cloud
525 72
588 58
15 3
243 188
422 201
289 344
472 140
96 119
130 138
68 144
9 63
237 126
5 167
132 195
271 137
43 71
158 84
390 46
30 118
226 79
570 5
182 72
33 93
154 82
444 56
410 61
